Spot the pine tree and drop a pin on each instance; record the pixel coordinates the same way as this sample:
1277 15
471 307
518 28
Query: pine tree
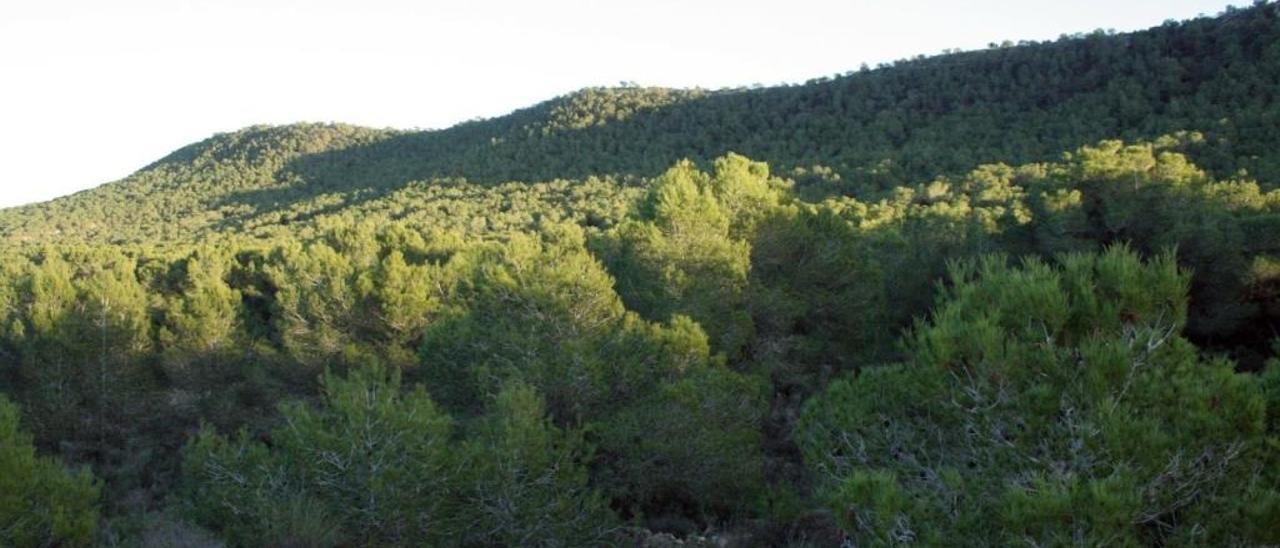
41 503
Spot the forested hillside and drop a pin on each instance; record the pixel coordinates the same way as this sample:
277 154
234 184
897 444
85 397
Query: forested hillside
854 134
1029 294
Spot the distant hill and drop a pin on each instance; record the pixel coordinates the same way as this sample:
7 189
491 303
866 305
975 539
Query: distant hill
854 134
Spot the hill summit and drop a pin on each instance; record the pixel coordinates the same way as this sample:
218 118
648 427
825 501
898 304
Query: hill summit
857 133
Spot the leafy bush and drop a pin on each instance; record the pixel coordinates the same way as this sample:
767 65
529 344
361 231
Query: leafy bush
377 467
1052 405
525 481
692 447
371 467
41 503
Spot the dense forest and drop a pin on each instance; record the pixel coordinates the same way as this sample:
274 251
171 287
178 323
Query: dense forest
1023 295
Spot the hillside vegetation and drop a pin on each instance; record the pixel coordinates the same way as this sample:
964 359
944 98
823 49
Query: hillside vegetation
1029 294
854 134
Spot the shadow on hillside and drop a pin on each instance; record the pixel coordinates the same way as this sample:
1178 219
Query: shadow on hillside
286 205
482 152
880 128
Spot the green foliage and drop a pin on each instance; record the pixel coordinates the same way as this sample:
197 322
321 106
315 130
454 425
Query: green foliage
118 351
687 254
608 325
1269 380
376 457
817 295
41 503
370 468
358 289
857 132
525 481
1053 405
238 488
82 341
206 316
376 466
542 310
691 446
319 310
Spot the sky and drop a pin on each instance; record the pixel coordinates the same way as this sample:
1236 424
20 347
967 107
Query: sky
91 91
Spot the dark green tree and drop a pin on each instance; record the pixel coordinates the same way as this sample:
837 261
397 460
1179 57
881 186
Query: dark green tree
1052 405
41 503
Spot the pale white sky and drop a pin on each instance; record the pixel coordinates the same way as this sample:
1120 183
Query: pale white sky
92 90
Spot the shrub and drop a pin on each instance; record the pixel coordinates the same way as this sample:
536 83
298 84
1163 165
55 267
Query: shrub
41 503
1050 405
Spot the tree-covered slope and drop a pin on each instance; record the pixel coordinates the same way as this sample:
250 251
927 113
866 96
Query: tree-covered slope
902 122
854 134
1023 295
505 364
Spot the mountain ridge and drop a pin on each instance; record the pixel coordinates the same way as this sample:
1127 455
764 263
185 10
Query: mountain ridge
861 132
